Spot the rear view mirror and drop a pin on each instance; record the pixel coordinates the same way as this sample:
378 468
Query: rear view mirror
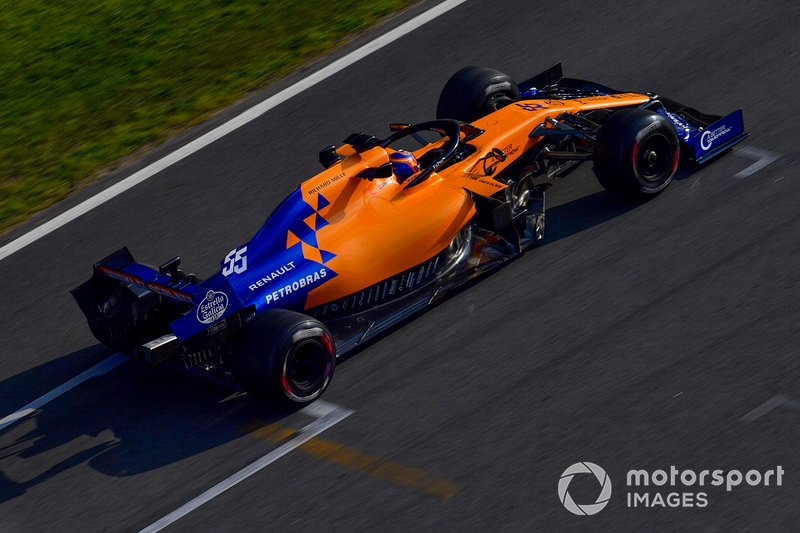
385 170
499 154
328 156
371 173
397 126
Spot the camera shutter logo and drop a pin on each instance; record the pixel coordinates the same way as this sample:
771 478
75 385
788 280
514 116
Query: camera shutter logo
588 508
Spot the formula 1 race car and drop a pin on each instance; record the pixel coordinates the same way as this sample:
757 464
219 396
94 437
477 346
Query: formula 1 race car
394 224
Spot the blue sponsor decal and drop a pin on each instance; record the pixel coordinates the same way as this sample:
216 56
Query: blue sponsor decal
212 307
217 302
532 107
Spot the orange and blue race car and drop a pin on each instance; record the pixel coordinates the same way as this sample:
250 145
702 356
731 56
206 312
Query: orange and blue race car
394 224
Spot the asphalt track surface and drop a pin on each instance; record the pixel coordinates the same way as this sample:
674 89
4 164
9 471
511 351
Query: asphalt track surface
635 337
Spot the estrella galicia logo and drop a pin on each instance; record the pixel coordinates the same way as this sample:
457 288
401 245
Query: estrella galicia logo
587 508
212 307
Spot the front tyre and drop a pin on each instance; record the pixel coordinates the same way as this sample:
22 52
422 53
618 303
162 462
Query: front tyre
636 153
285 357
474 92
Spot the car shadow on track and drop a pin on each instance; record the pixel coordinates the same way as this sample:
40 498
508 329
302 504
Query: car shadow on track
583 213
25 386
133 420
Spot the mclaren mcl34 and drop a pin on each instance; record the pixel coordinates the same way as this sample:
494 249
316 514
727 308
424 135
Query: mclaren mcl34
392 225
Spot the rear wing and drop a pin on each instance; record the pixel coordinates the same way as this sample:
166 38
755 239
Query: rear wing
167 280
128 304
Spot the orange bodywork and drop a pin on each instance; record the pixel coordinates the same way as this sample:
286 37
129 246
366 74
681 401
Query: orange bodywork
379 228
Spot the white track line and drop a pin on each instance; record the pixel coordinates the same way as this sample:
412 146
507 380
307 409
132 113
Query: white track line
762 157
97 370
776 401
226 128
330 415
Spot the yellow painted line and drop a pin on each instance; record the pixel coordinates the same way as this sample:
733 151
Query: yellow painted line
326 416
373 465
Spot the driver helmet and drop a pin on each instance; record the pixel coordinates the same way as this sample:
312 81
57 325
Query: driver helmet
404 164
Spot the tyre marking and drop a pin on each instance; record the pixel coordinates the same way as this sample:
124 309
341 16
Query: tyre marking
328 415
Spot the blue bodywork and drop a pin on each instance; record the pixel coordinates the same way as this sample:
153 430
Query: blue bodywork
276 268
272 269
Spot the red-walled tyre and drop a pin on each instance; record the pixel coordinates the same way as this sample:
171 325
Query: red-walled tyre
285 357
636 153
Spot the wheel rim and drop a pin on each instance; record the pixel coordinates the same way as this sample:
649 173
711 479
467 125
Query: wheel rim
521 195
654 158
496 101
307 368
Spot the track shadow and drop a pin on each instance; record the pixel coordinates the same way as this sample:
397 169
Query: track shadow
132 420
584 213
594 209
25 386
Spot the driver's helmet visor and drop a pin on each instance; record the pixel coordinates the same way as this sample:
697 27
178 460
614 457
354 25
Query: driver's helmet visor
404 164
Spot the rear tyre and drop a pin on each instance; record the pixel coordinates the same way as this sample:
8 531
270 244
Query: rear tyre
474 92
285 357
636 153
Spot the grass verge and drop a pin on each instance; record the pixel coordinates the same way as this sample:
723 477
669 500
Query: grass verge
86 83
